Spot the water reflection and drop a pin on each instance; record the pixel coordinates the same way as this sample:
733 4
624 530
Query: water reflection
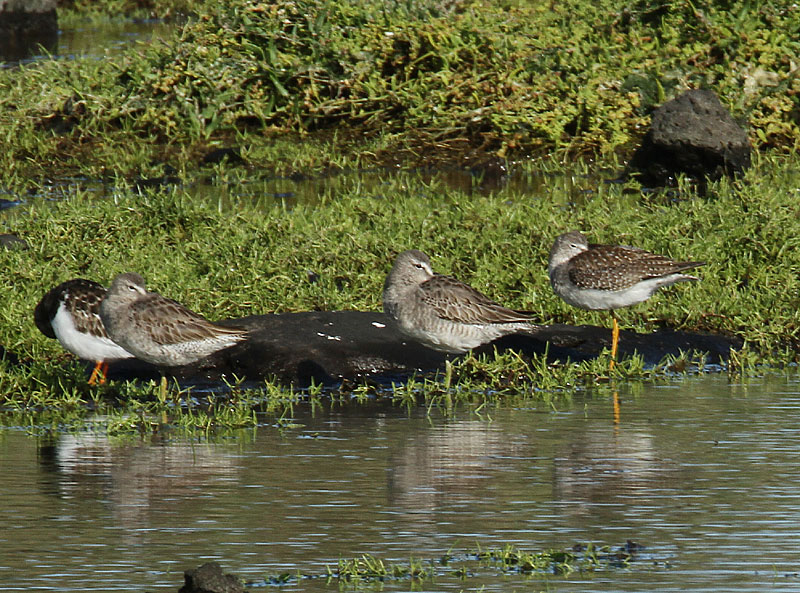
233 188
448 466
700 472
89 39
603 466
134 478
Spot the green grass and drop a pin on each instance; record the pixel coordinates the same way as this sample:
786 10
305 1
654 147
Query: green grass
243 259
81 11
246 260
317 86
399 81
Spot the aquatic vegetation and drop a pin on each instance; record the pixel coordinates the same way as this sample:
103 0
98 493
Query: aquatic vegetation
368 570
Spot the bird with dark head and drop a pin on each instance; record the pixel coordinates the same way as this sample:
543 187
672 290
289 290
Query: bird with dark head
70 313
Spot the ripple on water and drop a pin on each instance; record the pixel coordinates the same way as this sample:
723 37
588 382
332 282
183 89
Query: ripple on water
701 474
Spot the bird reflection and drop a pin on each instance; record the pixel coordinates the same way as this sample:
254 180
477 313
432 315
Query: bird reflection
449 465
136 479
608 465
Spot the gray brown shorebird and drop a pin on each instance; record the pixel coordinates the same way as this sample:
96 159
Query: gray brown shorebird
608 277
70 313
159 330
442 312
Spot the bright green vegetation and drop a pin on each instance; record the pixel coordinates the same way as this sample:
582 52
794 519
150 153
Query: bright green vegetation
368 570
242 259
83 10
322 85
376 81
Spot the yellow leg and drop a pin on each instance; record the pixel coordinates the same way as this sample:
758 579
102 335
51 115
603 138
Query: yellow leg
162 392
162 397
616 408
98 376
614 342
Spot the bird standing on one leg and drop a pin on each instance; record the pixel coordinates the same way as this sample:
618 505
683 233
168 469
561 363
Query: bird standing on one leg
608 277
444 313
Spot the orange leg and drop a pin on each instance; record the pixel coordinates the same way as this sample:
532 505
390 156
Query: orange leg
99 373
615 405
614 342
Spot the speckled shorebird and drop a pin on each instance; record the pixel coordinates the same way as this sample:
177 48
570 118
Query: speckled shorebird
70 313
159 330
608 277
442 312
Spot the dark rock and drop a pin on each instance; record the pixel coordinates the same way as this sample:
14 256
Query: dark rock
692 135
319 347
208 578
329 347
584 342
12 241
25 25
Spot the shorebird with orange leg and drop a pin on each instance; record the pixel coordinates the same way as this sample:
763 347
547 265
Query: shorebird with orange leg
159 330
607 277
70 313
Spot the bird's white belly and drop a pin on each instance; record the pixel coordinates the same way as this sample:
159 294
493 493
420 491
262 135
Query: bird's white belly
182 353
84 345
590 298
455 338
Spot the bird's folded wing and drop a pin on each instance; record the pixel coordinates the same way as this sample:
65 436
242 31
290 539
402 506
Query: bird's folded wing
453 300
169 322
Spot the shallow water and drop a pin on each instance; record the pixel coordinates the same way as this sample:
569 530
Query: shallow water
700 472
95 39
266 190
